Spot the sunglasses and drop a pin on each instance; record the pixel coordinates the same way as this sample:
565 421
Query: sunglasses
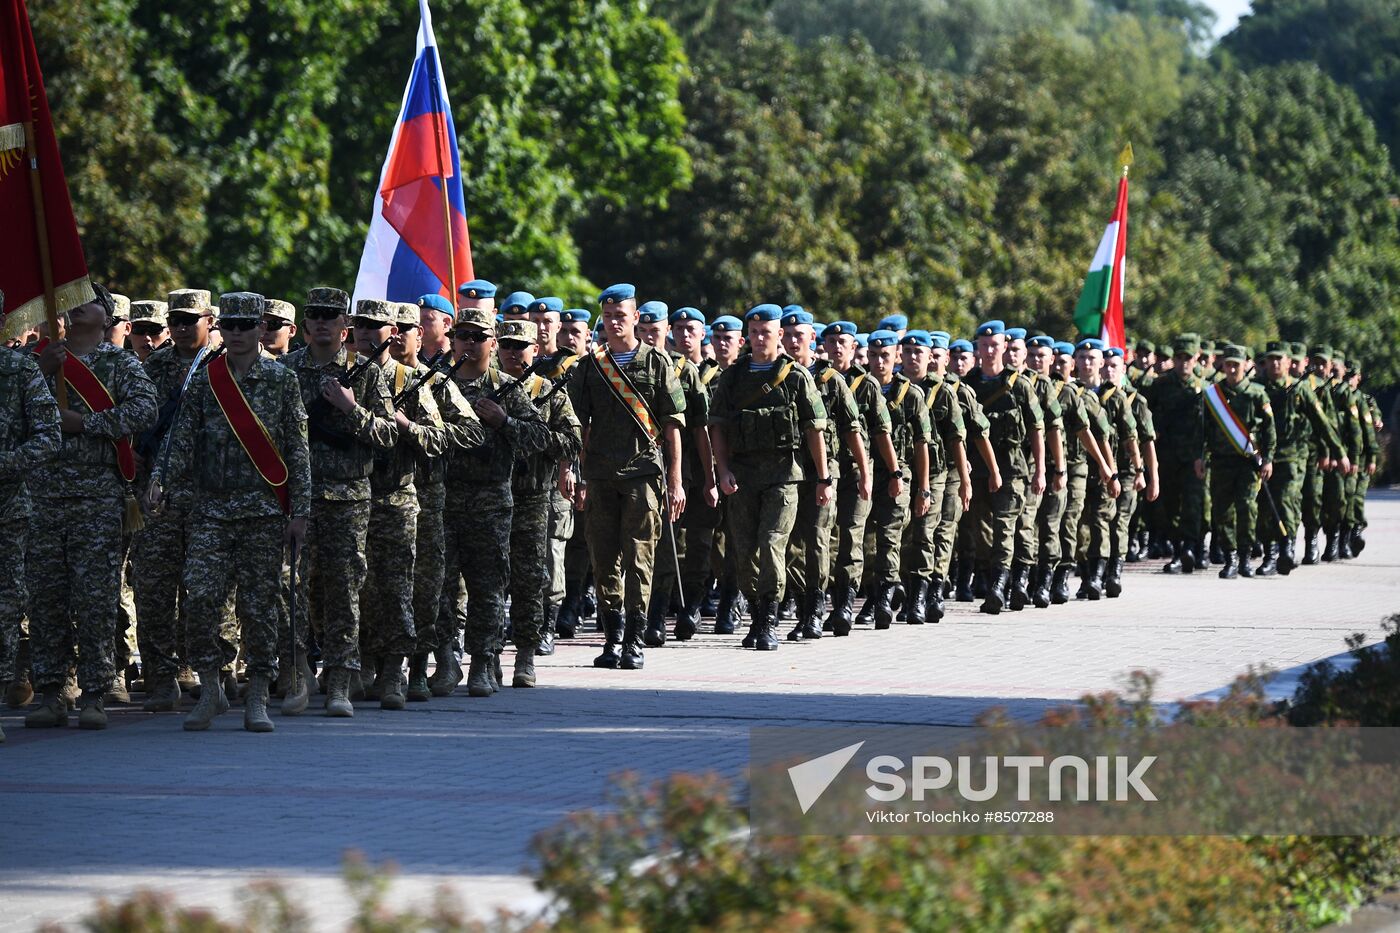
184 320
322 314
471 336
273 324
146 330
364 323
239 324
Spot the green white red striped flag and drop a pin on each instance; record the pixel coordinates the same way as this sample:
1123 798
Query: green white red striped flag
1099 311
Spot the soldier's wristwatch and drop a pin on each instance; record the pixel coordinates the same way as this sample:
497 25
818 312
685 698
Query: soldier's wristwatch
925 493
825 481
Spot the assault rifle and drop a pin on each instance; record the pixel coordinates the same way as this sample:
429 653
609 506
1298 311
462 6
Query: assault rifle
319 410
417 384
148 444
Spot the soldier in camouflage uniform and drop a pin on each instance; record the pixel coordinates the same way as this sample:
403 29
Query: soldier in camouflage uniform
952 543
1027 528
1138 475
727 338
573 340
346 426
632 411
73 576
149 331
1101 495
281 320
386 602
1177 413
29 439
479 498
958 424
765 411
1339 485
1322 460
1086 452
239 523
1369 415
534 483
1050 386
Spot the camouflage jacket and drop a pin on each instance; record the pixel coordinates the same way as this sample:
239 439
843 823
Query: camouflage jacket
909 424
493 460
1142 414
697 411
29 428
874 415
87 462
1122 426
1010 406
841 418
167 370
1179 416
463 430
947 427
1099 425
343 474
1074 417
615 447
226 483
1250 403
1348 419
1301 423
1046 393
538 472
765 422
425 437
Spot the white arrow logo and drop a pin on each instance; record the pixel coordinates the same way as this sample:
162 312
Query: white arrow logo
811 778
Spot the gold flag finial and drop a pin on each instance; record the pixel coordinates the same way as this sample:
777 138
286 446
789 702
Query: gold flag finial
1125 158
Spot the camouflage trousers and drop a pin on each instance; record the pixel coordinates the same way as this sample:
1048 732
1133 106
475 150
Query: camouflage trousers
994 517
386 600
234 559
809 547
561 528
1356 507
1286 487
695 536
945 534
1096 521
74 583
852 512
1313 494
722 562
576 564
335 575
885 531
529 569
760 522
1234 514
1123 511
1336 491
1181 501
1028 528
157 563
1048 520
1076 491
12 593
477 557
623 520
429 554
916 553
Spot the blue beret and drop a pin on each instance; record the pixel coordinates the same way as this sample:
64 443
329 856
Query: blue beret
1041 341
576 316
1113 351
521 300
917 338
964 345
1015 333
438 303
1089 343
863 340
615 294
836 328
990 328
500 318
938 340
894 322
477 288
789 309
545 305
706 341
941 333
1064 346
882 338
764 312
726 323
688 314
653 312
793 314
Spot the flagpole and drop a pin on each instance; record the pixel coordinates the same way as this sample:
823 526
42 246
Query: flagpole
442 176
41 228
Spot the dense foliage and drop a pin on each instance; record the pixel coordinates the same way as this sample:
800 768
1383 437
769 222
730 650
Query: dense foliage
952 159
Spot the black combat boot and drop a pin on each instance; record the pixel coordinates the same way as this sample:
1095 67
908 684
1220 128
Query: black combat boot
588 605
688 620
632 659
725 614
1344 543
1357 540
1246 568
566 624
962 581
867 609
710 605
1310 554
1205 556
916 600
996 592
1093 580
655 635
809 613
1189 561
1287 559
1134 549
1059 587
980 579
1329 552
787 612
883 611
933 600
1083 574
1231 570
1174 553
766 635
1256 550
755 623
1113 578
1040 596
612 638
1269 565
843 608
1020 587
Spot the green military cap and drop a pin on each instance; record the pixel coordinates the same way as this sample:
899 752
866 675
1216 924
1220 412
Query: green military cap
1232 351
324 297
1209 347
1276 348
1320 351
283 311
377 309
241 305
406 315
1339 357
476 319
1188 344
149 311
1298 350
189 299
121 310
517 332
1145 346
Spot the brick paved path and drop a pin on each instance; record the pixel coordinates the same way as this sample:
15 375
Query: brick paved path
453 790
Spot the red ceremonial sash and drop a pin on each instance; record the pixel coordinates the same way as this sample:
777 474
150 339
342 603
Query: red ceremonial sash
95 395
249 430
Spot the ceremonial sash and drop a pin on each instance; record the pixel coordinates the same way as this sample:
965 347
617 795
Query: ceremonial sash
1228 422
96 396
249 430
625 393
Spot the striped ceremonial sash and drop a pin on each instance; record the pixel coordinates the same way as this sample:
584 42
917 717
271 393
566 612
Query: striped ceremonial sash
625 393
250 431
1228 422
96 396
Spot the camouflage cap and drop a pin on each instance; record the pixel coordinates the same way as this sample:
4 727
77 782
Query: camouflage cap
121 307
1145 346
1320 351
518 332
406 315
1233 352
283 311
476 319
189 299
1276 348
1339 357
377 309
245 305
324 297
1298 350
148 310
104 298
1188 344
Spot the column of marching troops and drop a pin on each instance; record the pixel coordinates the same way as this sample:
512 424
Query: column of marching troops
429 482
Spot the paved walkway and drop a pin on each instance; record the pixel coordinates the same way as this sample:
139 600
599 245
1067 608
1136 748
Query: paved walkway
453 790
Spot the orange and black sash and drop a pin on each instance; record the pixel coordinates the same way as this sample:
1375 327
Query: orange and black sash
626 394
250 431
97 397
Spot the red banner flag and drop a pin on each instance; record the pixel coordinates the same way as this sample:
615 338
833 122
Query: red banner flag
33 191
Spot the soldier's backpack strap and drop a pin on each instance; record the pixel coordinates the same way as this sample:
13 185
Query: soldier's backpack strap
999 394
768 387
856 384
903 391
933 395
709 375
400 377
828 375
680 367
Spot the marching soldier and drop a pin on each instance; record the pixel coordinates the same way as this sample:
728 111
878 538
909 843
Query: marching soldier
574 334
727 338
1177 412
281 320
1027 530
148 328
1137 451
1322 460
962 412
242 433
1101 494
1340 485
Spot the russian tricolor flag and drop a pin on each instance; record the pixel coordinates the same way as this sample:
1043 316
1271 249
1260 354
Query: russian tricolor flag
408 252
